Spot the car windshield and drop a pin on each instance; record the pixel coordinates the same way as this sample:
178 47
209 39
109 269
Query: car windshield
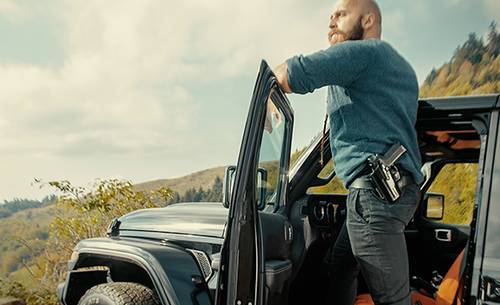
299 155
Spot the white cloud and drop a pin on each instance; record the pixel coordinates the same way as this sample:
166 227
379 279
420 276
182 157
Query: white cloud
122 90
116 91
122 84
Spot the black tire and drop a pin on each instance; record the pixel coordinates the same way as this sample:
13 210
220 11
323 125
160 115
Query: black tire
119 293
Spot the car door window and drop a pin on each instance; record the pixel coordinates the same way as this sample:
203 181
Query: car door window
271 151
457 182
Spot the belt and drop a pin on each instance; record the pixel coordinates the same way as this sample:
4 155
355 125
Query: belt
364 182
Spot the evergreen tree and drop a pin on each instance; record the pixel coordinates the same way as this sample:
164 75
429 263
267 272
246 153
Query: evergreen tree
431 77
213 194
474 49
17 204
217 190
493 45
473 69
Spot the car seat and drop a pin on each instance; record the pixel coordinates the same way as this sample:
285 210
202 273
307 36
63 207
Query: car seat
448 289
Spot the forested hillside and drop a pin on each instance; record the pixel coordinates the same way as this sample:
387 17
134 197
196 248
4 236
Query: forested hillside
473 69
9 207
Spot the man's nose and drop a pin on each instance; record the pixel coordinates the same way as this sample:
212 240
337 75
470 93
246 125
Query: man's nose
333 23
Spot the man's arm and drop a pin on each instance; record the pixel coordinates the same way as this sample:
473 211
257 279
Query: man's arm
338 65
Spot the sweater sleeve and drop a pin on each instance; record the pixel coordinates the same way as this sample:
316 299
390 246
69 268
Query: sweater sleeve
340 65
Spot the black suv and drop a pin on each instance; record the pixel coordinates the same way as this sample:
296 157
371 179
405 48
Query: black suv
267 242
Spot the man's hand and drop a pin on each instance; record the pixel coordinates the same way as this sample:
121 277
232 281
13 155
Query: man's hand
281 73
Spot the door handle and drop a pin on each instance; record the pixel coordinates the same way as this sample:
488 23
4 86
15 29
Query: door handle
443 234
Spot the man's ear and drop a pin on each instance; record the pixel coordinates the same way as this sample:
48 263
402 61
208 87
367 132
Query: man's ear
367 21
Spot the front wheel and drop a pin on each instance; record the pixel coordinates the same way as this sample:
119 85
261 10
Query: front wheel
119 293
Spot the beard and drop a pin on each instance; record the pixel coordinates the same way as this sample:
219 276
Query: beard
357 32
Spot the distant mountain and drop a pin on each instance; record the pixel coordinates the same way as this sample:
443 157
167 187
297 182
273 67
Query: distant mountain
204 179
194 185
473 69
205 185
9 207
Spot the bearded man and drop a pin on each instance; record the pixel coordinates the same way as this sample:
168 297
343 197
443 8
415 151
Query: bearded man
372 105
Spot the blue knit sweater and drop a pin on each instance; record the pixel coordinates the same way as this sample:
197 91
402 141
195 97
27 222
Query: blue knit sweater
372 101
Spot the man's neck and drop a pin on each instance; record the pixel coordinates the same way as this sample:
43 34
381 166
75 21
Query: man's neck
371 36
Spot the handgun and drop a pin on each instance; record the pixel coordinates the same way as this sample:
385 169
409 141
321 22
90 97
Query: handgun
385 174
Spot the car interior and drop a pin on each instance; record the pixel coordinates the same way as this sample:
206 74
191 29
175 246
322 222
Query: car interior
297 235
295 266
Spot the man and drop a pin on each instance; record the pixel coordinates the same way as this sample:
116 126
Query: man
372 105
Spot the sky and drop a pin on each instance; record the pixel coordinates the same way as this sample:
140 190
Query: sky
145 90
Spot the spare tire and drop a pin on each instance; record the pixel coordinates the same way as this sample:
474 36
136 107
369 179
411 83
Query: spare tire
119 293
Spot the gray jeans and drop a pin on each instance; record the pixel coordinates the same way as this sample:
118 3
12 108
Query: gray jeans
372 241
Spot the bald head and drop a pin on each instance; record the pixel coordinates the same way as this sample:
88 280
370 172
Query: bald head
355 20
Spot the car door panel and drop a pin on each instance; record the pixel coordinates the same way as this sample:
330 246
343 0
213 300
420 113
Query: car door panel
434 246
244 256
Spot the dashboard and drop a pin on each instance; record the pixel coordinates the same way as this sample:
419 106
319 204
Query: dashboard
325 211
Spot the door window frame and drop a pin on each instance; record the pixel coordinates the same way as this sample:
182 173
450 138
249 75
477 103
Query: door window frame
241 275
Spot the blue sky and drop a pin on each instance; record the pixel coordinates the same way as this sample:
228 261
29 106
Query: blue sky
145 90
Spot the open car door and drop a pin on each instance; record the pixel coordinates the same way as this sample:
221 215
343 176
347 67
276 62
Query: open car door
265 148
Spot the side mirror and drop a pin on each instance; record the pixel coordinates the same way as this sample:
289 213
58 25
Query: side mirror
434 206
227 187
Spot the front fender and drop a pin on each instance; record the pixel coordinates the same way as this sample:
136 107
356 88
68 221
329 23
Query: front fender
172 270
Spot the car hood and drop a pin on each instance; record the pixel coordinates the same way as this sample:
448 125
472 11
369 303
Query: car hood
193 218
